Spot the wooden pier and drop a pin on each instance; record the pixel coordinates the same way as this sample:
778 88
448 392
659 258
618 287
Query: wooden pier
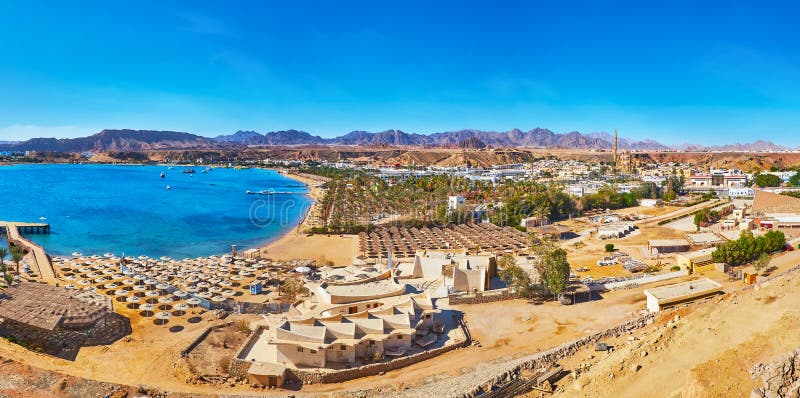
42 264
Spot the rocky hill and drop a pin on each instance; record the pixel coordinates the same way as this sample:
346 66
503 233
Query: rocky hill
114 140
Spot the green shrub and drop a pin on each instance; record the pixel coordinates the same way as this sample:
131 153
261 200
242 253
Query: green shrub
609 247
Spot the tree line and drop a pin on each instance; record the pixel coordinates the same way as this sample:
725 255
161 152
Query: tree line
748 248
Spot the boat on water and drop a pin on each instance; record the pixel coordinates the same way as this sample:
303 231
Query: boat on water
170 168
188 171
168 187
163 175
206 170
43 218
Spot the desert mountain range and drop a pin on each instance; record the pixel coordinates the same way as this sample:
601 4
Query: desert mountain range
136 140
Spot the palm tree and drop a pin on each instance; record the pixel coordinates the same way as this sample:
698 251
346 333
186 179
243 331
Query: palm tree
3 255
16 256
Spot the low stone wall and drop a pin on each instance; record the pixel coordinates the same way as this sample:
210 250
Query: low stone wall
556 354
482 297
315 376
239 366
185 352
309 376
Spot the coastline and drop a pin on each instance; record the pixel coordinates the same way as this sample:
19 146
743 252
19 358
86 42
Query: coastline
296 244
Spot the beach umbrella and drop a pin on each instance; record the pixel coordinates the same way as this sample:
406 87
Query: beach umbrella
163 317
152 293
205 295
84 282
146 307
180 294
150 283
193 301
109 272
133 299
70 286
101 280
162 286
218 299
215 289
110 286
128 282
139 288
121 292
164 301
228 293
182 307
72 278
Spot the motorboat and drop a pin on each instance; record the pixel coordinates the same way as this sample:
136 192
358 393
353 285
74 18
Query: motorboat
168 187
188 171
163 175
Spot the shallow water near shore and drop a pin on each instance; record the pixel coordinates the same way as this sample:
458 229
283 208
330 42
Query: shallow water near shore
94 209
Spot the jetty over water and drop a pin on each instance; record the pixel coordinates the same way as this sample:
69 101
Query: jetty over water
41 261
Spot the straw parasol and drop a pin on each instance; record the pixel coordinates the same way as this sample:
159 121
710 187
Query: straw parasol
193 301
163 317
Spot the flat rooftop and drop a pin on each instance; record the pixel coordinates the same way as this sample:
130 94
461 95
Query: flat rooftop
375 288
684 290
705 238
668 242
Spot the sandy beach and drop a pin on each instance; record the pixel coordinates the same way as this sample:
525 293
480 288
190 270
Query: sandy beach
297 244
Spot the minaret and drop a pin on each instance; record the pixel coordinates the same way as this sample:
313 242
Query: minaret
615 149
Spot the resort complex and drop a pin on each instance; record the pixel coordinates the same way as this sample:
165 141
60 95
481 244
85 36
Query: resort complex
394 200
319 307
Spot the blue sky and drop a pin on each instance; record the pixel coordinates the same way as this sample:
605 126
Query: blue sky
671 71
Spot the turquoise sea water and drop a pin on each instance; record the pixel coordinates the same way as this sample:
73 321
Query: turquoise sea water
94 209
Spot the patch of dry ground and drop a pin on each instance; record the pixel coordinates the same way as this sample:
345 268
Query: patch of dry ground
707 353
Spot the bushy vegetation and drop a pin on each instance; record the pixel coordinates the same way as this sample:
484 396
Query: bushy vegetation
516 278
705 216
748 248
767 180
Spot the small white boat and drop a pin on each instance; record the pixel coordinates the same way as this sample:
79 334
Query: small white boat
168 187
163 175
43 218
